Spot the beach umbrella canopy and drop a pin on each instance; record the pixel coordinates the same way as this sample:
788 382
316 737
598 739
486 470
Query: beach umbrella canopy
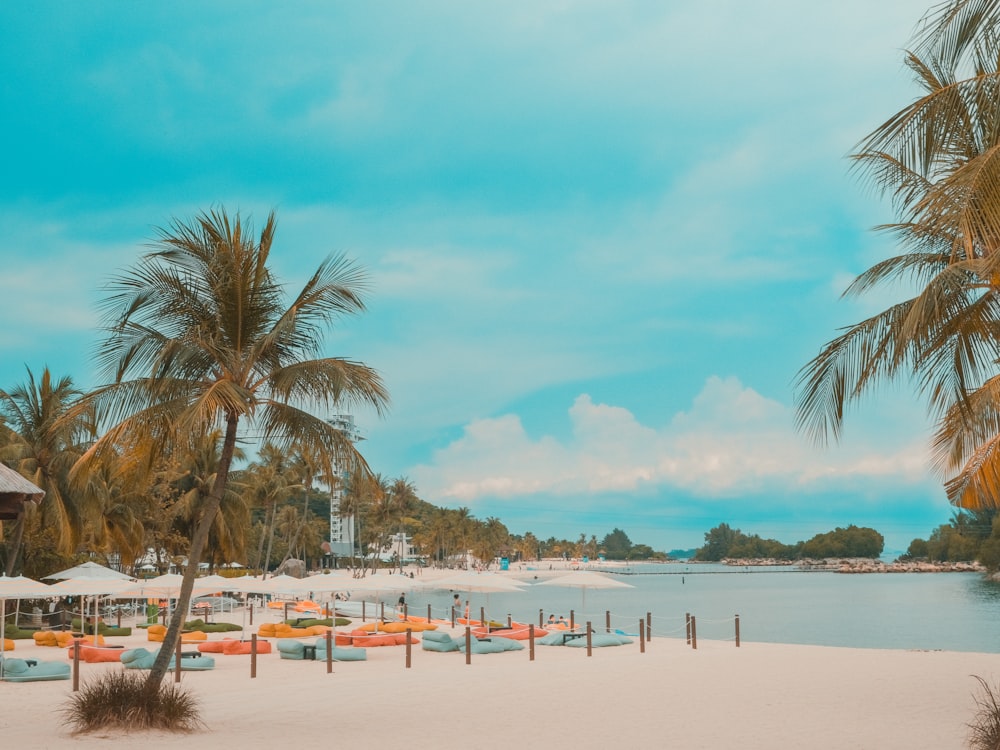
470 580
88 569
319 584
17 587
166 586
277 585
586 579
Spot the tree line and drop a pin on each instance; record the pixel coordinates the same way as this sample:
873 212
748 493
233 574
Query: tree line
724 542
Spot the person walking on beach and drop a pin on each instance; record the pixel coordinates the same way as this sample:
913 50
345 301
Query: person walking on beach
457 603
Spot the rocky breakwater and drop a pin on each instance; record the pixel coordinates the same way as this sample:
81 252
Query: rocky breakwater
866 565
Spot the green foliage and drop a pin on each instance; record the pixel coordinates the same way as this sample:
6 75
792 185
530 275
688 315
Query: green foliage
617 545
724 542
123 700
970 535
854 541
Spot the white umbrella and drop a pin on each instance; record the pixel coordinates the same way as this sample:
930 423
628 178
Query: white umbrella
320 584
89 586
485 583
586 579
470 580
88 570
17 587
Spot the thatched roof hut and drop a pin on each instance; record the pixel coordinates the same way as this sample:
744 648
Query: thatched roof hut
15 493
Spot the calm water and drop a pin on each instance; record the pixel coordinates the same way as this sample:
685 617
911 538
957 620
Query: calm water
949 611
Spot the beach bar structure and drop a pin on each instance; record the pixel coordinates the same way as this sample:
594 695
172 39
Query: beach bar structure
15 493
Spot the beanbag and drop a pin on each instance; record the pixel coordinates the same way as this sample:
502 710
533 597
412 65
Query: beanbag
289 648
439 642
599 640
232 647
17 670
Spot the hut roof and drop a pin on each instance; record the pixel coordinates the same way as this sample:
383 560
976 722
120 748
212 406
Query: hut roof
15 492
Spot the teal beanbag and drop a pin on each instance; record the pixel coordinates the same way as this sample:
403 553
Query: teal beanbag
599 640
17 670
289 648
440 645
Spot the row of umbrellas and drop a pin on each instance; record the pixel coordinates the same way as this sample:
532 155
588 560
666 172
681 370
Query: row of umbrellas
92 579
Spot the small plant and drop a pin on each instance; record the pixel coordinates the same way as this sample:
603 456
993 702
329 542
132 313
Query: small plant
985 727
122 700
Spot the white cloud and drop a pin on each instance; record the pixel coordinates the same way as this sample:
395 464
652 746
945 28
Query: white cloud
731 441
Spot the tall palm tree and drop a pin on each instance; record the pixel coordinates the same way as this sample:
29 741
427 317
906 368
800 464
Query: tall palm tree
939 159
43 445
200 336
270 482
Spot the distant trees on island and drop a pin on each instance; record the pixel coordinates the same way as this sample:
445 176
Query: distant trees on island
724 542
969 536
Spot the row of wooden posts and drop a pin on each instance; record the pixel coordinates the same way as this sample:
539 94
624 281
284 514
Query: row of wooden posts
645 635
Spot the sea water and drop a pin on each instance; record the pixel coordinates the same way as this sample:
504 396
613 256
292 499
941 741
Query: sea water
928 611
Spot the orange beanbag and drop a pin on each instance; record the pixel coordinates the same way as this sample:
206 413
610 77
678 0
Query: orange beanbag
232 646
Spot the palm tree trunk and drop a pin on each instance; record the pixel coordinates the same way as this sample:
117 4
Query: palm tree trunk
270 542
198 541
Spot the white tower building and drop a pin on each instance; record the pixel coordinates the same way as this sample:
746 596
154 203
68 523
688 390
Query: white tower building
341 541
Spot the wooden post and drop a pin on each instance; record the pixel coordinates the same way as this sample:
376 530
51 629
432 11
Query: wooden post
509 622
428 614
649 626
406 611
737 631
177 660
687 626
251 613
531 641
468 645
590 645
381 607
119 617
329 651
482 618
409 646
642 636
363 604
453 615
694 633
541 619
607 621
253 656
286 611
572 620
76 664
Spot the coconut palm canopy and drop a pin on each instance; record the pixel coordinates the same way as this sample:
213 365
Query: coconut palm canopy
15 491
202 336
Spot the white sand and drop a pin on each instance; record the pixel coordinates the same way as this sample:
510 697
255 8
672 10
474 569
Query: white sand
757 696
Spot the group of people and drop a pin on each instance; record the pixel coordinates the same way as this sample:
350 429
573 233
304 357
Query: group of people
554 621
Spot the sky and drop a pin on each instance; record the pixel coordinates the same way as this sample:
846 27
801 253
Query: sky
602 236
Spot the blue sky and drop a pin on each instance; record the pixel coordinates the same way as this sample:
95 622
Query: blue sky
603 237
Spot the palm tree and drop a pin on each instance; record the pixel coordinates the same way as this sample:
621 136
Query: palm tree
195 480
939 159
270 482
199 337
43 445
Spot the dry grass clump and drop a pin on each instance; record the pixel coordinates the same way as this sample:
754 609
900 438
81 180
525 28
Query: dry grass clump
121 700
984 729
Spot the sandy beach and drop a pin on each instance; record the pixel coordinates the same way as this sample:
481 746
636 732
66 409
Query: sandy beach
718 696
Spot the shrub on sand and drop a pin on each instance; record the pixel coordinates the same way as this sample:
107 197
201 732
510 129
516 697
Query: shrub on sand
985 727
121 700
